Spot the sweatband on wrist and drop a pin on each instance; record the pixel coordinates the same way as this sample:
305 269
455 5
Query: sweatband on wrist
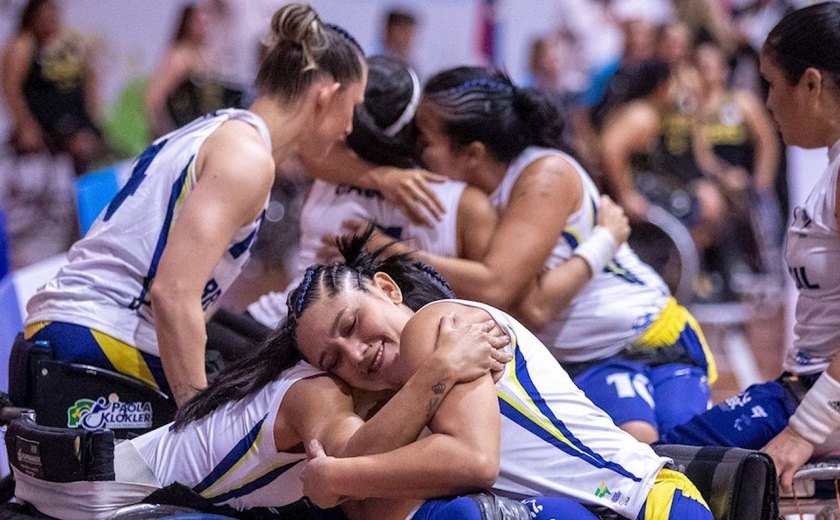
598 249
818 415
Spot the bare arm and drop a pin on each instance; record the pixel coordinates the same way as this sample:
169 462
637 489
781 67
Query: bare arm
632 129
169 73
406 188
465 349
555 289
235 172
766 149
92 93
790 449
461 455
17 59
547 192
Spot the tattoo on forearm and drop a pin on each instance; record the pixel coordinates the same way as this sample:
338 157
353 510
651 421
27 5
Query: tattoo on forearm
438 389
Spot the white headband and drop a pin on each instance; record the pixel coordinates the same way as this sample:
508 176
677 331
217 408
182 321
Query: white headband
410 109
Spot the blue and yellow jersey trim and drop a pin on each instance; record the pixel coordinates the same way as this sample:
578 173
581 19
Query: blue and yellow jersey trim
118 355
676 326
665 500
220 485
178 193
527 408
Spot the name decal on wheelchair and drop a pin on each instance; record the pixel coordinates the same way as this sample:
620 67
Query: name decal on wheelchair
109 413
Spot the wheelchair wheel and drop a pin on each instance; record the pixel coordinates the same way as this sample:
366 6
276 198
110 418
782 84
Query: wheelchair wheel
163 512
665 244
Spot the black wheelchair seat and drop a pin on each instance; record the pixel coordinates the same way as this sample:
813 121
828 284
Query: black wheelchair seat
737 484
70 395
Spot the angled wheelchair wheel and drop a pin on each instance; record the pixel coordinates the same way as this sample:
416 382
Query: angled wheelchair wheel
163 512
665 244
816 490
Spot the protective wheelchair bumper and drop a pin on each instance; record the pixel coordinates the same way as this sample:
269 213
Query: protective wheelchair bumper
82 396
60 454
736 483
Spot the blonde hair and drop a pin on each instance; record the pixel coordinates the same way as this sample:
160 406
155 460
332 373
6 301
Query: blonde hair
302 47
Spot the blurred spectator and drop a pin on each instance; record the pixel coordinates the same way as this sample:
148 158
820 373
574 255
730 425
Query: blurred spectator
639 45
399 34
675 45
50 88
627 122
184 86
548 74
736 145
553 68
648 159
706 21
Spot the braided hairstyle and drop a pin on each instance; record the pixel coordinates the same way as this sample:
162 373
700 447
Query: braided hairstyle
383 126
420 284
304 49
481 104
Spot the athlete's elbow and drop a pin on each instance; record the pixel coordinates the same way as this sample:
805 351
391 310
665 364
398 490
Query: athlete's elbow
484 471
497 295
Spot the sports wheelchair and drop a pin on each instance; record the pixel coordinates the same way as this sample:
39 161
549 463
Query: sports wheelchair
737 484
816 491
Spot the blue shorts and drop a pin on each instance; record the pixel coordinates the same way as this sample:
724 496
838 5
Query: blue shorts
662 396
748 420
465 508
79 344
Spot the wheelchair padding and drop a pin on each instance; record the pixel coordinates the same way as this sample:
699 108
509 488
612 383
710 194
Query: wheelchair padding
735 482
60 454
22 368
59 386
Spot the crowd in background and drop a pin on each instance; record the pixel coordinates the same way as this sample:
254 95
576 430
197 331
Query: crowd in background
663 103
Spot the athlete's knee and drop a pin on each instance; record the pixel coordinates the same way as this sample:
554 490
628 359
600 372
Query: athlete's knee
456 508
642 431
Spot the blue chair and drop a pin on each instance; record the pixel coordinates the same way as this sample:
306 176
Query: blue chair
4 246
94 191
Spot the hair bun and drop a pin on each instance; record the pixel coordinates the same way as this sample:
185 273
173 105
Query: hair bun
299 24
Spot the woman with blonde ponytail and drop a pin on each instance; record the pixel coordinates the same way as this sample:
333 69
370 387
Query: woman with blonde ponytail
134 294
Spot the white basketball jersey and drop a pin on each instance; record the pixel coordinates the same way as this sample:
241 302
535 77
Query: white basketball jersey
555 442
229 456
812 252
326 208
105 286
617 305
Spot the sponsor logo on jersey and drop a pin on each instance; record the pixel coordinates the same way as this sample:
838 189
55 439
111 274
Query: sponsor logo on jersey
602 490
94 414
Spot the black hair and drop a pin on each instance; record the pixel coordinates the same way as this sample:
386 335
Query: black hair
388 97
481 104
807 37
631 82
29 14
187 13
400 17
420 284
304 49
